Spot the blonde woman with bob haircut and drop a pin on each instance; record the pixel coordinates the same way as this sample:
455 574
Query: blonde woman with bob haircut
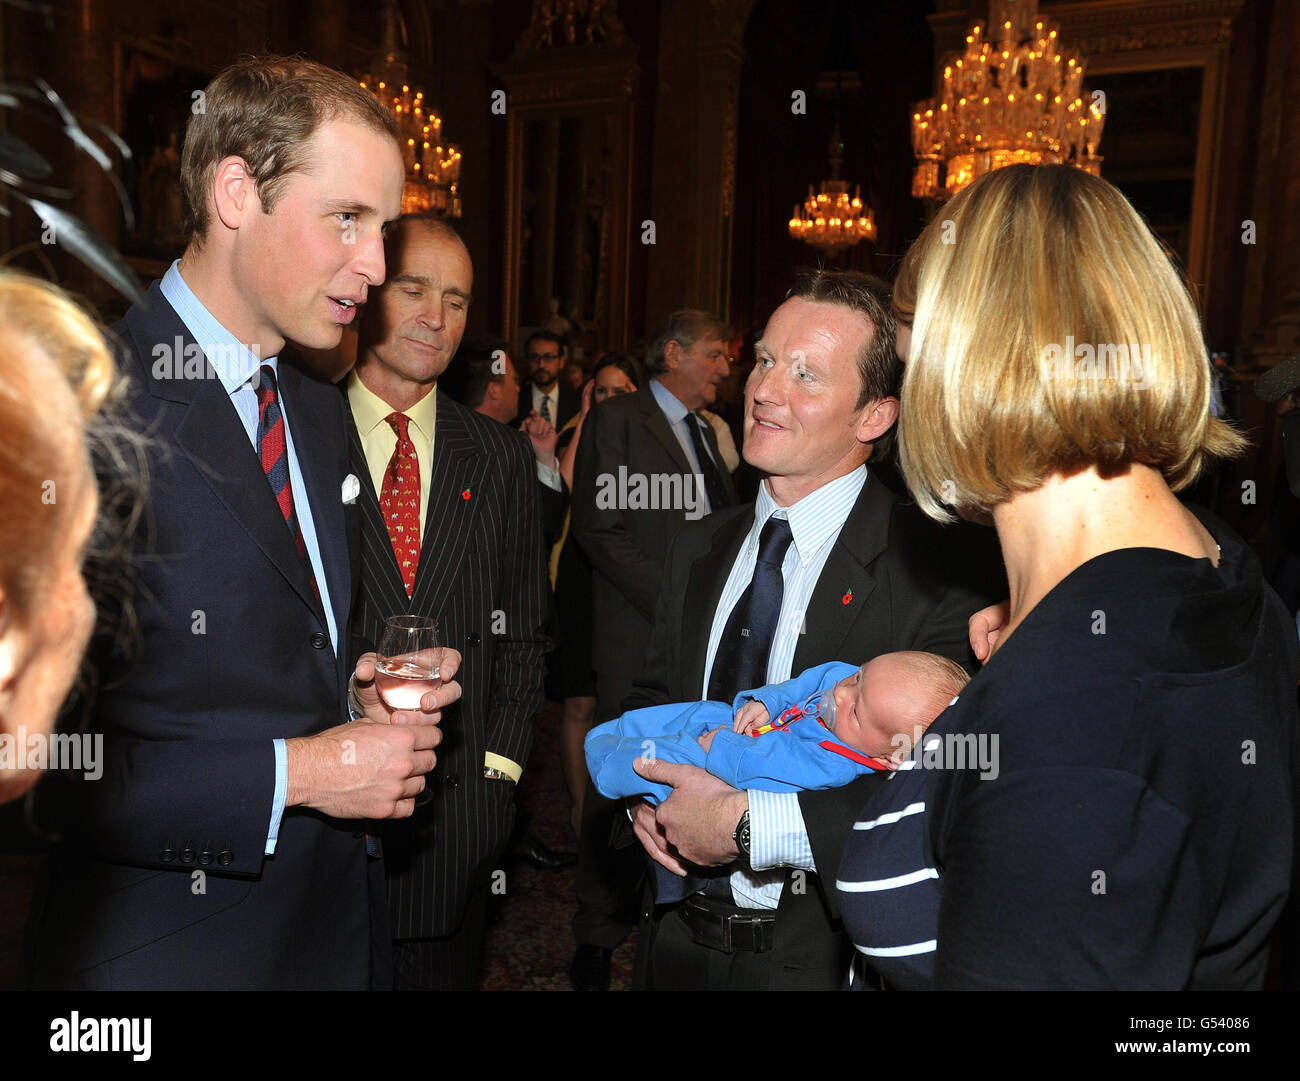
1108 803
55 374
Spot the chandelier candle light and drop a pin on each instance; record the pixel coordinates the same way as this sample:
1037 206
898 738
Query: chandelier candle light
1015 95
829 219
432 166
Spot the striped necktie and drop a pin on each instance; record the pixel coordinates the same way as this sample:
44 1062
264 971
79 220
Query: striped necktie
273 450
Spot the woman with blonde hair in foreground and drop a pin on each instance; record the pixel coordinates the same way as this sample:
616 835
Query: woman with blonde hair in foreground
1108 803
55 373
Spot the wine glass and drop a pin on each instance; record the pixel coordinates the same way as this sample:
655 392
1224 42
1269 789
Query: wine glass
406 668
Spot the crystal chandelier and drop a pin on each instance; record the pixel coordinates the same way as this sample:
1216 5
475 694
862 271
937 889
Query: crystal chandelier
1019 100
829 219
432 166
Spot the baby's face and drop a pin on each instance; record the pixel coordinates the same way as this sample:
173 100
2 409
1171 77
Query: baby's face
872 706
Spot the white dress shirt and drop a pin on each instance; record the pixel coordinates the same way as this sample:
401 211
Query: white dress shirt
552 396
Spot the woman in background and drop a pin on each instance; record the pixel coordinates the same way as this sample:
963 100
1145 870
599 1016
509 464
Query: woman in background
615 373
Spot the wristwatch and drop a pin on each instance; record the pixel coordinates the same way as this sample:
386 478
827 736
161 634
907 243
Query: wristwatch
355 712
741 836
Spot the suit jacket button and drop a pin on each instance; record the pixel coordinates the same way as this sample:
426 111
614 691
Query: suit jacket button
319 641
168 854
358 834
205 857
225 857
188 853
474 638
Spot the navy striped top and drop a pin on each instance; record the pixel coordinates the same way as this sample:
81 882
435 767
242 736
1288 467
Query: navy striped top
1106 805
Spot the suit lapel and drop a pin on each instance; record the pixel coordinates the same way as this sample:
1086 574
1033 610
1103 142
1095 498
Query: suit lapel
311 441
844 589
212 435
653 418
455 495
707 579
570 403
658 424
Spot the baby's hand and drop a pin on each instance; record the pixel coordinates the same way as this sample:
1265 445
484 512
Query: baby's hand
749 716
706 740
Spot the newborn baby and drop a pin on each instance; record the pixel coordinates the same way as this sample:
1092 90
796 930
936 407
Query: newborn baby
820 729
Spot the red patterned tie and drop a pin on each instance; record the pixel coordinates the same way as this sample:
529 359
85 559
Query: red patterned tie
273 450
400 501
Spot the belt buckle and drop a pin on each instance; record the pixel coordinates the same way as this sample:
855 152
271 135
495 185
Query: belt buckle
753 923
727 946
699 919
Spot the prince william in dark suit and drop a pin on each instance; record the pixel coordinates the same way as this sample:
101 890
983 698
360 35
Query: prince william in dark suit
224 846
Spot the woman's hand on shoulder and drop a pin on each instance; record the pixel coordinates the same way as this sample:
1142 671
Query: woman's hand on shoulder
985 627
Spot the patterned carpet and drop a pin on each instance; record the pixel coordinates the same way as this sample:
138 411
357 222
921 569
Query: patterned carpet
530 945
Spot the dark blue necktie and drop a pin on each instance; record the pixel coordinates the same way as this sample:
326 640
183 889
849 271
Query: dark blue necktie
741 660
739 664
713 486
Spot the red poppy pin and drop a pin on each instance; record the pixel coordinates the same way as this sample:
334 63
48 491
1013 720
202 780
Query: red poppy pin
848 597
466 494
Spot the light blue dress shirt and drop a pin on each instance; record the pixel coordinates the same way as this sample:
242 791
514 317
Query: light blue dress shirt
677 416
778 835
235 365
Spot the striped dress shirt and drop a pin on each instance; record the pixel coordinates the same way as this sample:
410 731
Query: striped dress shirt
776 823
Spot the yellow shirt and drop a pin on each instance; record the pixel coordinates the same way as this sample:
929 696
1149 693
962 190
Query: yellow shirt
378 441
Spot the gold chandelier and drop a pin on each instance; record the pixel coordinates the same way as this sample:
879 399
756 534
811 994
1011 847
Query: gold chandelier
829 219
1019 100
432 166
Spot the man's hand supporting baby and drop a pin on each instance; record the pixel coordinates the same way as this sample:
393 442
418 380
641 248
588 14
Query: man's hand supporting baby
695 823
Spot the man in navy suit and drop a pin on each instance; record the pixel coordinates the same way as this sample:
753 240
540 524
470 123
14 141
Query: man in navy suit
225 845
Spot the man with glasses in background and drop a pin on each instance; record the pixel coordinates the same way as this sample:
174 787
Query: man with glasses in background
545 355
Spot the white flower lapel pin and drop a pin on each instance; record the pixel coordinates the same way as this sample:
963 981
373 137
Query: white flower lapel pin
351 488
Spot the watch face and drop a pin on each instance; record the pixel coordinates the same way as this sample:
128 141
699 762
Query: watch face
741 836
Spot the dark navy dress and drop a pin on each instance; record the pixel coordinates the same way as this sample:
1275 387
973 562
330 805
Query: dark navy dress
1108 804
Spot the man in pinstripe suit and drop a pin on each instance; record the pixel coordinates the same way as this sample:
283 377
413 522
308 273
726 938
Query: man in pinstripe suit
451 528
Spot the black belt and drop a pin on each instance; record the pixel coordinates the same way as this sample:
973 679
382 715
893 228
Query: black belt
726 928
